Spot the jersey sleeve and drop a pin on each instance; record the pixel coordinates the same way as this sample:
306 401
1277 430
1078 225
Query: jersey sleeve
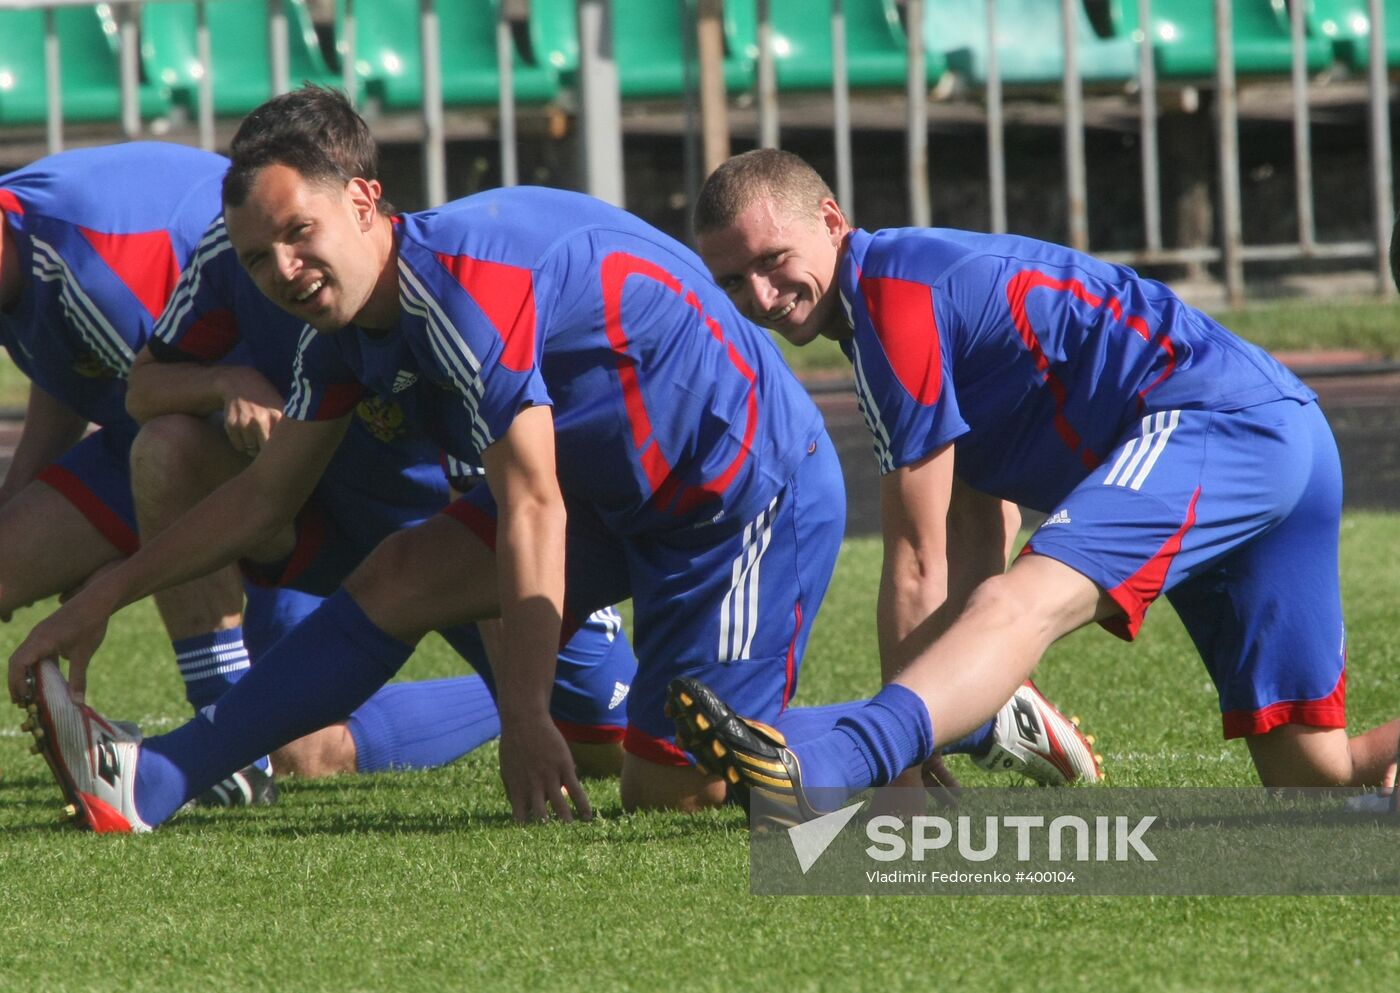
199 323
324 386
484 332
904 380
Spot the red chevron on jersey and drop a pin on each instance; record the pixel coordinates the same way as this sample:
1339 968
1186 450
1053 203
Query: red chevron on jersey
210 336
902 313
615 270
144 261
10 203
506 295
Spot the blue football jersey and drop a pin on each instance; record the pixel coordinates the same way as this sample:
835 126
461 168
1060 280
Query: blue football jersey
217 314
1032 357
103 234
670 410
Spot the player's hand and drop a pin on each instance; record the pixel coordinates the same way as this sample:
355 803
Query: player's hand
72 632
252 408
539 776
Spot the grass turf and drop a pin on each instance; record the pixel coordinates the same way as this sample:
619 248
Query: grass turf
417 880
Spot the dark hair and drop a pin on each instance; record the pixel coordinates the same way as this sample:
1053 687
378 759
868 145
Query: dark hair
764 172
313 130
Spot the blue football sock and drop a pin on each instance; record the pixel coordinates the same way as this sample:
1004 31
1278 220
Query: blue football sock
210 664
315 676
975 744
422 725
870 746
802 723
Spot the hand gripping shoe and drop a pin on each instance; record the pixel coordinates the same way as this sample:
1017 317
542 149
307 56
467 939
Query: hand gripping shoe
93 760
752 758
1034 739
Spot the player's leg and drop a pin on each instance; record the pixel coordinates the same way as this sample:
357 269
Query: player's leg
1267 620
734 608
431 576
176 461
72 520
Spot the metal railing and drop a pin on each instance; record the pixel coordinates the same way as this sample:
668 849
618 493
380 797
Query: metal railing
600 110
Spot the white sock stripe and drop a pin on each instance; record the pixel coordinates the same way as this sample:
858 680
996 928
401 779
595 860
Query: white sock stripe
194 674
1172 418
220 653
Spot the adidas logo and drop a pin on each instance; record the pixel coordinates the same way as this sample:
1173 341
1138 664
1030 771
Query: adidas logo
404 380
1058 517
619 694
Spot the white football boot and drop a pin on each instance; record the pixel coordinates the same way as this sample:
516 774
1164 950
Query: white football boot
93 760
1034 739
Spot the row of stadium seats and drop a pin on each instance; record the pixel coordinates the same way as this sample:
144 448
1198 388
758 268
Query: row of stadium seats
650 47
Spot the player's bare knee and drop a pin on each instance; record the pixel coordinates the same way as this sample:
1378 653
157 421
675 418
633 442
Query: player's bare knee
380 587
168 449
1298 756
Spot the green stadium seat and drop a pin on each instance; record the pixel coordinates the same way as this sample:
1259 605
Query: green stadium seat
239 51
1183 36
388 55
1346 25
650 47
875 45
1030 43
91 76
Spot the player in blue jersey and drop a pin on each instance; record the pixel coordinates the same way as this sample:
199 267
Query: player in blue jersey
83 276
383 478
639 438
1171 458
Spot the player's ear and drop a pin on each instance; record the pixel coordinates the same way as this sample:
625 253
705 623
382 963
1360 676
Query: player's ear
833 221
364 199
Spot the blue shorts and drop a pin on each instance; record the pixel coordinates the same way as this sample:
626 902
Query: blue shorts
95 477
731 604
595 670
592 680
1235 516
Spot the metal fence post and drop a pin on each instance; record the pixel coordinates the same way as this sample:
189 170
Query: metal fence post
277 48
1302 143
1076 185
1147 107
434 135
766 80
505 104
1227 122
841 108
602 102
916 115
1383 201
996 128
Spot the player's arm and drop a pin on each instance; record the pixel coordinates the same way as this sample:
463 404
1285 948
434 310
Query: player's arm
250 404
981 530
233 520
50 429
536 765
914 502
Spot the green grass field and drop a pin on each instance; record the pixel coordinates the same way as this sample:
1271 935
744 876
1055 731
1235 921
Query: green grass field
419 882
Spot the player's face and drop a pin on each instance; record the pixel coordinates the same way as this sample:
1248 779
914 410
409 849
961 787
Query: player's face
307 246
780 270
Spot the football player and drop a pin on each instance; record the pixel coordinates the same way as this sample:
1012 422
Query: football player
1170 457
